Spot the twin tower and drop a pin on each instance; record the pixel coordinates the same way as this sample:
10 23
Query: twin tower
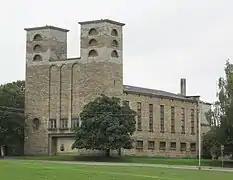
100 39
57 87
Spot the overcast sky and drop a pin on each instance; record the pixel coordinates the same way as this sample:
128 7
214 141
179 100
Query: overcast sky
164 40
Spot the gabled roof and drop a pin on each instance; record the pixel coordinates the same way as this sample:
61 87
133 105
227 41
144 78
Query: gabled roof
101 21
46 27
155 92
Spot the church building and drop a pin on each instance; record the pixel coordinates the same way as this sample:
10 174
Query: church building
58 87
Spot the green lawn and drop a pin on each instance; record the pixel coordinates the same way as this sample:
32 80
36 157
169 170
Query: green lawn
28 170
132 159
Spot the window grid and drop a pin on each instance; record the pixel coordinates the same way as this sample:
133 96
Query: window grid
151 117
182 121
172 119
162 118
139 116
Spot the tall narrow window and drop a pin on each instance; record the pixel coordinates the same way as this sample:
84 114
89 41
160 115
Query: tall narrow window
52 123
74 122
182 122
139 116
173 119
151 117
64 123
162 118
192 122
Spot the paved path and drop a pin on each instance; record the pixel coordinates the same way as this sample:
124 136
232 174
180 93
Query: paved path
205 168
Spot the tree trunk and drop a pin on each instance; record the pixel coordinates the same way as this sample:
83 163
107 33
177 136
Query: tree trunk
1 151
119 152
108 152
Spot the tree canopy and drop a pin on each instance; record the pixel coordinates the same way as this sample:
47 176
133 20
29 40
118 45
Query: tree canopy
221 117
12 94
11 114
106 125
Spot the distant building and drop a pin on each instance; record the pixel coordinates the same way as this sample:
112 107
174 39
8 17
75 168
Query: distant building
57 88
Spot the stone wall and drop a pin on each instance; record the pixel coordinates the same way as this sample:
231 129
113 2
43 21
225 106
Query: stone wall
145 135
36 106
60 91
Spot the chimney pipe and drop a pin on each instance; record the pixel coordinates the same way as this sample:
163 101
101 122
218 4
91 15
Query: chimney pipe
183 86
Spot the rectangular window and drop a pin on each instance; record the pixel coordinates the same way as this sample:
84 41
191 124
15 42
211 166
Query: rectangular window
52 123
139 116
182 121
74 122
139 144
162 118
182 146
162 145
151 145
64 123
173 146
193 147
192 122
172 119
151 117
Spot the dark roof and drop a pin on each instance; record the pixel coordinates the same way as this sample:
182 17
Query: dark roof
46 27
207 103
101 21
154 92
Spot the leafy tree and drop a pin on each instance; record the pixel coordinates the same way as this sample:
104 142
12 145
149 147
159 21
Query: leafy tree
12 94
211 145
221 117
11 115
11 130
225 106
106 125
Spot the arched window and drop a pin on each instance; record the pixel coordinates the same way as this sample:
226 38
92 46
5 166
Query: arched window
92 53
92 42
36 123
114 43
37 37
114 32
37 58
37 48
114 54
93 32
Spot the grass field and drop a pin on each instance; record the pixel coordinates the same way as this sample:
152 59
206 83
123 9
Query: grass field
28 170
131 159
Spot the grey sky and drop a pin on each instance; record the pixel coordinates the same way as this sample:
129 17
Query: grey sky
164 40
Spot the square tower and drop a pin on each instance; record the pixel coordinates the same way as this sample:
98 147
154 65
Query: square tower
101 41
46 43
101 50
43 46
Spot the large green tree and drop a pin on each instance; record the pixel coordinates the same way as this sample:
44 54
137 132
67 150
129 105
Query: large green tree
12 94
106 125
12 117
221 117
